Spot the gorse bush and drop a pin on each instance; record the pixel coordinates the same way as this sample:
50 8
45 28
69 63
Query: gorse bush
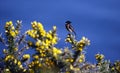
47 58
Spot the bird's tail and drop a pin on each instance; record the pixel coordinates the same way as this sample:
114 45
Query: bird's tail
74 33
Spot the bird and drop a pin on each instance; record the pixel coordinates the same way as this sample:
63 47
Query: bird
69 27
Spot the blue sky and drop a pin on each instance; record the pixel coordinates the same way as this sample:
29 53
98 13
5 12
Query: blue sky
98 20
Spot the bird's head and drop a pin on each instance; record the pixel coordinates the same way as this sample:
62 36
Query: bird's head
68 22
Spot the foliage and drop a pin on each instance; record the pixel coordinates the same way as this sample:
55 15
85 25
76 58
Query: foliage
48 58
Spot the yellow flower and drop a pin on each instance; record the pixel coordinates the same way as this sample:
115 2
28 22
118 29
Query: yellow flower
32 33
6 31
29 65
48 35
82 43
37 36
39 64
82 58
5 51
24 70
47 43
18 63
15 49
20 66
71 67
56 51
75 69
99 57
16 32
43 33
54 28
38 43
32 63
15 61
36 62
12 33
40 26
42 55
42 47
34 24
7 70
30 43
54 40
7 24
112 68
10 23
50 32
102 56
36 57
37 25
68 39
85 41
69 60
26 56
9 57
12 28
80 48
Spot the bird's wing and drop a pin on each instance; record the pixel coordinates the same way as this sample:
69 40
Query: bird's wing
71 27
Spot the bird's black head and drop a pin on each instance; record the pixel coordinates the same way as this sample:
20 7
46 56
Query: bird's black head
68 22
